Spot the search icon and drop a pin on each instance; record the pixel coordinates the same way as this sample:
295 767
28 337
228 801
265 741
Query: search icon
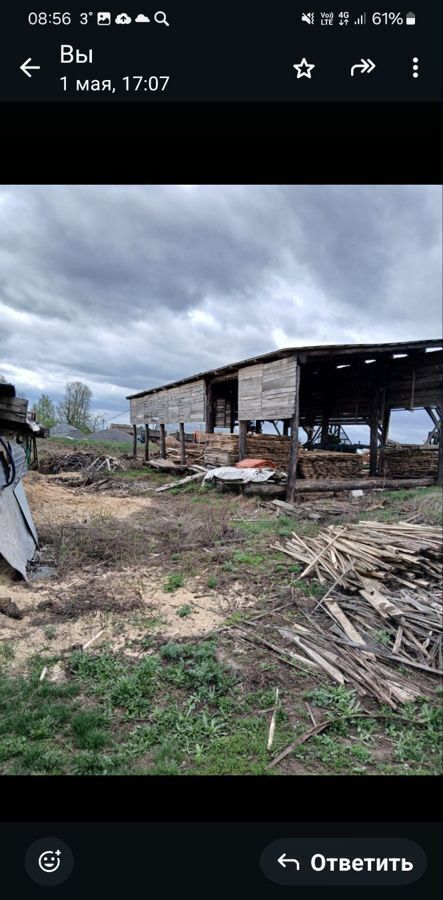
160 18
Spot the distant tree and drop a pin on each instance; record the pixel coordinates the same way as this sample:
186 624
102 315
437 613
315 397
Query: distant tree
45 412
3 379
74 409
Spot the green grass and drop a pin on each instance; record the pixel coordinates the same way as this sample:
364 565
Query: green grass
100 446
184 611
180 710
173 582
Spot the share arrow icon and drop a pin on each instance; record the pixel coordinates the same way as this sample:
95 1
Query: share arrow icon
366 67
25 67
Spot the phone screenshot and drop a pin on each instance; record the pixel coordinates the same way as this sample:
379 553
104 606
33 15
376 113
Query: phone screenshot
221 452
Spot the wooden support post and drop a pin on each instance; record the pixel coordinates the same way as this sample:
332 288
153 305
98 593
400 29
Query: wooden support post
182 443
385 426
147 443
209 414
324 431
232 423
242 426
292 469
162 441
286 424
134 441
373 439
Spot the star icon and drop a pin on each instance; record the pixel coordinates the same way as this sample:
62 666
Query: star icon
304 68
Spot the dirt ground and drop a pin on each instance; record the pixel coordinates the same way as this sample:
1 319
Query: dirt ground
53 503
60 614
190 582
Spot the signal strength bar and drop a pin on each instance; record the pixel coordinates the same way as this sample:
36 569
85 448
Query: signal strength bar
361 20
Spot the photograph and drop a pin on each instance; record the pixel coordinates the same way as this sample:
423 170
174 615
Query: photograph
221 470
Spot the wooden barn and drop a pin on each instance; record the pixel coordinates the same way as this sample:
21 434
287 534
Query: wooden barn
310 388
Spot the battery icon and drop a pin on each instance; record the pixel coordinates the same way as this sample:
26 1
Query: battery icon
410 18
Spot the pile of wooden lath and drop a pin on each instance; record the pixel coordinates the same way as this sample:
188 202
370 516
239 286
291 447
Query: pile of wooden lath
403 554
396 615
325 464
269 446
409 462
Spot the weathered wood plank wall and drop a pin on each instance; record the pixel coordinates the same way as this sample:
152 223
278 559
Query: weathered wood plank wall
267 390
185 403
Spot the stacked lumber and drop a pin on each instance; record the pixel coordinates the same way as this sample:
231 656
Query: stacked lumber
327 464
372 555
221 449
218 456
13 410
269 446
409 462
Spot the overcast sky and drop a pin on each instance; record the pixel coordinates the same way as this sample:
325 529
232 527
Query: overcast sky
128 287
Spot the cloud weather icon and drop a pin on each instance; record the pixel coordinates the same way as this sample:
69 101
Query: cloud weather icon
142 18
123 19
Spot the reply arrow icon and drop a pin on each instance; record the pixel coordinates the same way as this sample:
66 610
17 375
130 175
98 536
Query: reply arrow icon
25 67
366 67
283 860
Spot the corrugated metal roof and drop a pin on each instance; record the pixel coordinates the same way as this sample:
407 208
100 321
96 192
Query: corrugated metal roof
318 351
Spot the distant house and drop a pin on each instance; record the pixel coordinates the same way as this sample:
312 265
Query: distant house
67 431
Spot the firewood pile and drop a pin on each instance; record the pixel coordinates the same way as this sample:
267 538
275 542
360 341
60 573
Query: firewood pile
409 462
327 464
392 613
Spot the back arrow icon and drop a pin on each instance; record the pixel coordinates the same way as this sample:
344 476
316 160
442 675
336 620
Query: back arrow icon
283 860
25 67
367 66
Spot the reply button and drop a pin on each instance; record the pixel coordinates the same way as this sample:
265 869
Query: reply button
343 861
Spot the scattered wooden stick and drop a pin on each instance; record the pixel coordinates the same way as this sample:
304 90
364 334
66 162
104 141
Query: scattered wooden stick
173 484
93 639
273 721
323 725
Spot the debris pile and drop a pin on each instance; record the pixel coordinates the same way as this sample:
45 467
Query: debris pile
81 461
396 617
409 462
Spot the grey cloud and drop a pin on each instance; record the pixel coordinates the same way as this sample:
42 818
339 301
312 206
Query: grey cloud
129 287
